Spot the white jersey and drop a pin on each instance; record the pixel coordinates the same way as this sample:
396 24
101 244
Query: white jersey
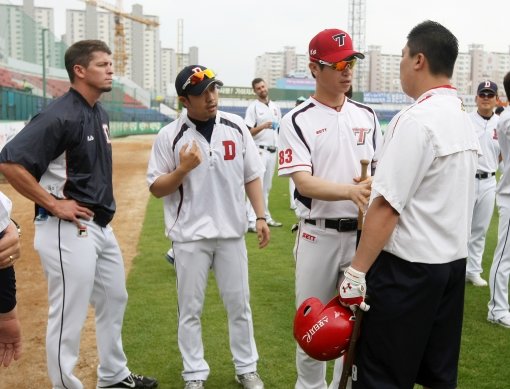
5 211
329 144
427 173
503 130
258 113
487 136
210 203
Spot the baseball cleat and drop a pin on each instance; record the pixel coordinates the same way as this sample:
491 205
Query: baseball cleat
476 280
502 321
274 223
194 384
250 380
135 381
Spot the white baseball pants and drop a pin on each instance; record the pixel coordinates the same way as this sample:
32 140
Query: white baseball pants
500 269
229 262
82 270
321 254
485 193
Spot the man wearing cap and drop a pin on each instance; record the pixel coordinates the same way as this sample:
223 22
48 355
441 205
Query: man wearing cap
199 164
263 119
485 122
320 146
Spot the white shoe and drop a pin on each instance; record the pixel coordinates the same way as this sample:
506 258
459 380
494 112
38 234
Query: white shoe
476 280
250 380
194 384
252 228
503 321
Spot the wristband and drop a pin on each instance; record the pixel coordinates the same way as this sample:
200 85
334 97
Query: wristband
260 218
17 227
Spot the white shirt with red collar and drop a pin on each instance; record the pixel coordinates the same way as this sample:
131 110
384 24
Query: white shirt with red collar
426 171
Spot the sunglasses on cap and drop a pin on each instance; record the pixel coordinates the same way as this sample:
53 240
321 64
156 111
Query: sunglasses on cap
198 77
488 95
338 66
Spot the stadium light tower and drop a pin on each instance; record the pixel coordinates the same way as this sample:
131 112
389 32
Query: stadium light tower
357 28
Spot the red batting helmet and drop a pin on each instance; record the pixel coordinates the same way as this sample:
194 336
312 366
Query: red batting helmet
323 332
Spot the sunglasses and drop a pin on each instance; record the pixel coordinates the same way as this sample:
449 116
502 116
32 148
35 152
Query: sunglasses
487 95
339 66
198 77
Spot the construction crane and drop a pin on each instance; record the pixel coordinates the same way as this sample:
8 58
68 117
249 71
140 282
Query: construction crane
120 56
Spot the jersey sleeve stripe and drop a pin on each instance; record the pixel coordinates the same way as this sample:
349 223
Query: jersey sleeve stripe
228 123
180 134
297 128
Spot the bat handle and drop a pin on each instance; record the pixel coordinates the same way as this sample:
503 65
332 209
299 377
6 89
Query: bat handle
364 168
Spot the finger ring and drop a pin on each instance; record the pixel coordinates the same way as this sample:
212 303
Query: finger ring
11 258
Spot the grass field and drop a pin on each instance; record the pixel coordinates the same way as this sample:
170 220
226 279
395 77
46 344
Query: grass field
150 328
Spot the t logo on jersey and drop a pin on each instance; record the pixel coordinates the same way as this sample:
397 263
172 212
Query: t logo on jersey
361 134
340 38
230 150
107 133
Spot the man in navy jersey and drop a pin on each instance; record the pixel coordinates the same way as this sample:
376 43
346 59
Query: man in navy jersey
62 161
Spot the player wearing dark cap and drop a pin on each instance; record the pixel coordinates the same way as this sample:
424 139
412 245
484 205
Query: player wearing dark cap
201 165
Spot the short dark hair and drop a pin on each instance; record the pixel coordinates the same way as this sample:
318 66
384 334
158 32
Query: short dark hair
506 85
256 81
437 43
80 53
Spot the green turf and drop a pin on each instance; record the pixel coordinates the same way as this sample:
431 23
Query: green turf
150 325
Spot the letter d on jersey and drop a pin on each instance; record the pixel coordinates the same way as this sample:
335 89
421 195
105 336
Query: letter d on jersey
230 150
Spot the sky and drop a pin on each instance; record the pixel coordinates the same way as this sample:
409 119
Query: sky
230 34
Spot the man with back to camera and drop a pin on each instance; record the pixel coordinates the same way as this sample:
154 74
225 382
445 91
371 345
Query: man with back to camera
321 144
414 239
263 119
200 164
484 121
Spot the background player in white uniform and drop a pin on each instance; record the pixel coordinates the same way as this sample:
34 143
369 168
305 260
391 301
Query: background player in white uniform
484 121
10 330
263 119
201 164
62 160
500 269
416 228
321 144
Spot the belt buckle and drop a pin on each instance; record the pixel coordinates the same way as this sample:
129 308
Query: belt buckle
342 225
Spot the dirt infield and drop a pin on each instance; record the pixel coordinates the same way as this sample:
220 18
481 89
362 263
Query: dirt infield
130 156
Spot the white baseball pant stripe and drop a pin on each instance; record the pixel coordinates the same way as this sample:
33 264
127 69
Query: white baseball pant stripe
269 162
228 260
82 270
485 193
500 269
321 255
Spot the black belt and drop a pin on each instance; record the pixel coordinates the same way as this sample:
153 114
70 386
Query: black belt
483 175
342 225
271 149
101 217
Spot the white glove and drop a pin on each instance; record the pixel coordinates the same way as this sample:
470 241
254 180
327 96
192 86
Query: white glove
352 290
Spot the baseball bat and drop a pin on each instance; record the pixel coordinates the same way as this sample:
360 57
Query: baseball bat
364 168
349 358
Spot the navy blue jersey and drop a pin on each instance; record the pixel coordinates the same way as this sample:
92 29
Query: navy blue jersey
67 148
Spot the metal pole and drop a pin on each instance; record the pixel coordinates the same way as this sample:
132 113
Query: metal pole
43 36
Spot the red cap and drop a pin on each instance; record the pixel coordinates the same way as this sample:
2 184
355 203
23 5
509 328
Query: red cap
332 45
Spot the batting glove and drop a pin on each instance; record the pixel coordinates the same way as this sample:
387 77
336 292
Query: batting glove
353 289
